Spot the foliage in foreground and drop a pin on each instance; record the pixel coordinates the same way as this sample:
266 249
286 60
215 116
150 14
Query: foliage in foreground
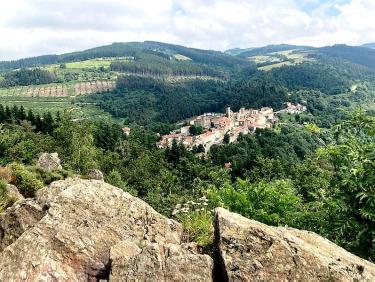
331 193
5 200
198 227
25 181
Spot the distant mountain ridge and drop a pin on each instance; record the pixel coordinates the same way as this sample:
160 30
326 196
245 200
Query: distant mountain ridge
237 51
271 49
158 53
369 45
358 55
130 49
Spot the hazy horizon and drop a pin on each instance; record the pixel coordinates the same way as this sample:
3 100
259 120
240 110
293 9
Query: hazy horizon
37 27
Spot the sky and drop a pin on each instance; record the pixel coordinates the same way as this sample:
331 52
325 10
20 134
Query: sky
38 27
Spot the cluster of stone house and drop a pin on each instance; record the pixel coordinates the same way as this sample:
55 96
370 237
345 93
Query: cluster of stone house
126 131
293 109
216 126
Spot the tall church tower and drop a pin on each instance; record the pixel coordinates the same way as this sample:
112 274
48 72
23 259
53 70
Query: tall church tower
228 112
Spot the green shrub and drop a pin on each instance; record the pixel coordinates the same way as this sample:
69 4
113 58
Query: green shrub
26 181
198 227
48 177
114 178
274 202
3 186
5 200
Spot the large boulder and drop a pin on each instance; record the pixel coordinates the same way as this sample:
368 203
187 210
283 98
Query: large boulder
87 230
13 193
49 162
153 262
252 251
84 223
95 174
17 219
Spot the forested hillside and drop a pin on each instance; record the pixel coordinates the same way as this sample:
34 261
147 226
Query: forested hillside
270 49
358 55
323 83
146 100
25 77
132 50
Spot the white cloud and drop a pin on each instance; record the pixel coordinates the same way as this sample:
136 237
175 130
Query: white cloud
34 27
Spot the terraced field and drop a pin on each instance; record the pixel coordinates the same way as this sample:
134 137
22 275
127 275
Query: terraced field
58 97
85 88
60 90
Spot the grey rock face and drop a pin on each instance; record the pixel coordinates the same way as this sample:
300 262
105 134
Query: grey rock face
87 230
95 174
155 262
13 193
83 221
49 162
252 251
15 220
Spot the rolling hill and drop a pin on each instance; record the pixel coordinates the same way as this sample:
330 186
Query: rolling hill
358 55
131 49
271 49
369 45
237 51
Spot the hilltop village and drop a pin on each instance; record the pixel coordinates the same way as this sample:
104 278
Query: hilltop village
215 128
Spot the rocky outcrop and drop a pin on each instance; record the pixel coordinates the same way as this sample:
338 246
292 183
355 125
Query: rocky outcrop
153 262
49 162
252 251
13 193
17 219
87 230
95 174
84 223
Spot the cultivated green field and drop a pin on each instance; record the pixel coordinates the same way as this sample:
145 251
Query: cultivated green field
87 64
279 59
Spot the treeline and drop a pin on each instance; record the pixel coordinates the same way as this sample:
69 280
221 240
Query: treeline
208 57
318 76
28 62
24 77
162 67
44 123
285 146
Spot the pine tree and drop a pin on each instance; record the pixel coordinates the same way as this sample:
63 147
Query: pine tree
2 114
30 117
48 123
21 113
